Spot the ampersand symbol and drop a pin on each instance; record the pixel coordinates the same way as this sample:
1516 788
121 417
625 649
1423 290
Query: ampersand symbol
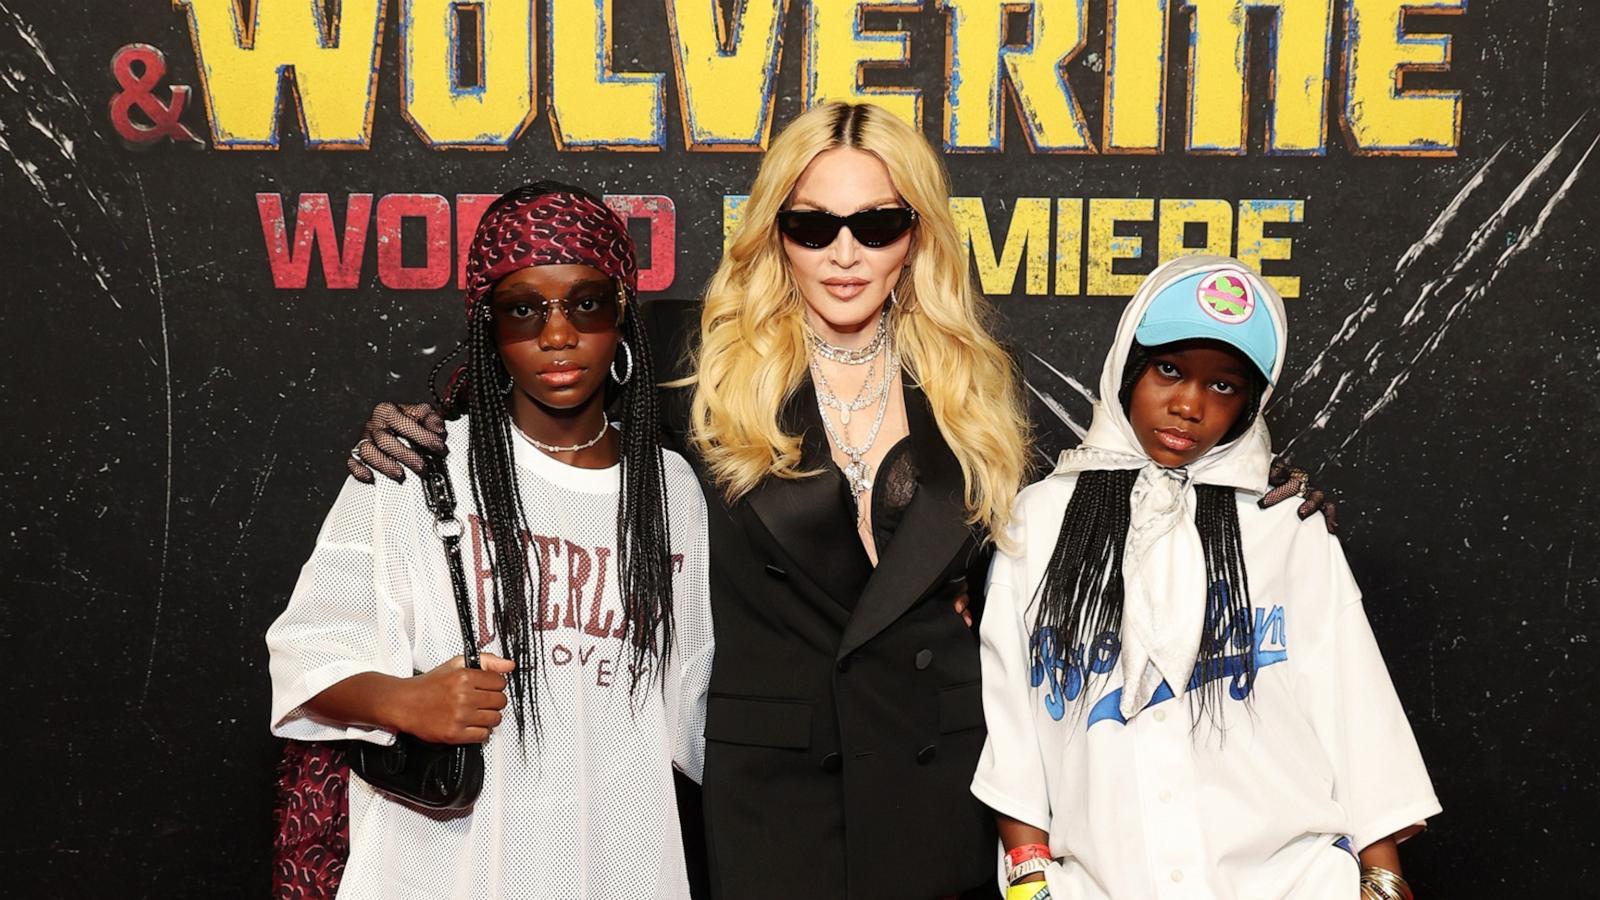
138 90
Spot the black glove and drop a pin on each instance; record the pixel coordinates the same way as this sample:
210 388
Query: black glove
1289 482
381 446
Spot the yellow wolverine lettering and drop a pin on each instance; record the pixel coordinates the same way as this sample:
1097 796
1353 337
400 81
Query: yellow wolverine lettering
1136 75
1380 116
323 56
726 70
593 106
838 45
1218 96
331 64
981 65
486 109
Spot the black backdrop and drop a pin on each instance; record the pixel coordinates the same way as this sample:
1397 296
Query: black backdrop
176 424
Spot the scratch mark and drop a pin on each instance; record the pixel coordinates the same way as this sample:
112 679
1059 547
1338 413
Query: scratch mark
1435 232
1073 383
258 489
31 172
1544 77
25 31
1566 593
1439 299
1533 234
166 512
1055 406
33 103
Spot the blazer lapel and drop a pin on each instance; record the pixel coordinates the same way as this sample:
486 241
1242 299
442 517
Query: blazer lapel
810 518
931 532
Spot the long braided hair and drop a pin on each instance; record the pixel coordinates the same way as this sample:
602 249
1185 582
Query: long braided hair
1080 599
644 553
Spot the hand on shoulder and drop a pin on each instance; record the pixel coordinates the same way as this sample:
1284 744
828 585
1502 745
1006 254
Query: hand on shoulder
1286 481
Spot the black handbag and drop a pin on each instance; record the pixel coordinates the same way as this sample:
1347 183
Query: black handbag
436 776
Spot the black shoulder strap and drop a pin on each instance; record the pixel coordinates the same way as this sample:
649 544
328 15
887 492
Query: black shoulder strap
442 502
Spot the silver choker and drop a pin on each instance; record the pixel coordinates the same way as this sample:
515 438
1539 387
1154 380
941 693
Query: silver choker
851 356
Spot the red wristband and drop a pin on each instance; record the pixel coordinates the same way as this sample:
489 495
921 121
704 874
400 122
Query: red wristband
1016 856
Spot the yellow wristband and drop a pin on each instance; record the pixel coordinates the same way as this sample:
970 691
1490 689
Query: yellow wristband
1026 891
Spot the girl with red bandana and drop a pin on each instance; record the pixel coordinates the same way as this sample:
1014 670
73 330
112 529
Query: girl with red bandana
585 556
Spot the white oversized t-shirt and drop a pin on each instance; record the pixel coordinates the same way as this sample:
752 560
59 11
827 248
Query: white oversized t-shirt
1321 760
586 810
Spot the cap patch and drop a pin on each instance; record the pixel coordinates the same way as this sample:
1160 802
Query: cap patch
1226 297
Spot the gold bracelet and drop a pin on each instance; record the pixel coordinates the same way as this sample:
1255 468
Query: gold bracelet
1381 884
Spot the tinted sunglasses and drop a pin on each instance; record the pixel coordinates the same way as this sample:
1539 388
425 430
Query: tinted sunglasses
589 312
872 227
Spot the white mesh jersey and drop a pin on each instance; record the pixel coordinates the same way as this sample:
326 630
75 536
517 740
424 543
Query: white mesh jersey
588 810
1321 763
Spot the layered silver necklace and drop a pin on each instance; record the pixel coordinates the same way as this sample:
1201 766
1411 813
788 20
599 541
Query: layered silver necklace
858 474
851 356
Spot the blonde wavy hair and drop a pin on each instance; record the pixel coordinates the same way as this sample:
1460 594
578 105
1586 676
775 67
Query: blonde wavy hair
752 354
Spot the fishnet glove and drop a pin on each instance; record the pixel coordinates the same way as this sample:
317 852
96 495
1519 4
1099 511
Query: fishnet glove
1287 482
381 447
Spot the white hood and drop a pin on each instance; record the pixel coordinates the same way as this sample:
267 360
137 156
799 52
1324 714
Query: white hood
1163 564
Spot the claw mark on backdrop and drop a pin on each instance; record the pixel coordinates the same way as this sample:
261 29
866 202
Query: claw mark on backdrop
43 126
1446 271
166 372
1055 406
1544 76
25 32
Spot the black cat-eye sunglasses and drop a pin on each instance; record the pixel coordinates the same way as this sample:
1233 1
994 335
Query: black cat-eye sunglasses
873 227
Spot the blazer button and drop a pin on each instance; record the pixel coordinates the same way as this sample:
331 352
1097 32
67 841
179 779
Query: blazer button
844 664
926 754
777 573
833 762
924 659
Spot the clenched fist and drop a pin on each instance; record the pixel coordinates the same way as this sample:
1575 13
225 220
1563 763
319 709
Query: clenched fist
453 704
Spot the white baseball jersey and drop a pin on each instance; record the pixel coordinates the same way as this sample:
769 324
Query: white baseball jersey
1317 760
586 809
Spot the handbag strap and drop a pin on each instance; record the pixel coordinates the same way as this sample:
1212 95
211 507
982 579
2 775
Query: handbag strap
442 503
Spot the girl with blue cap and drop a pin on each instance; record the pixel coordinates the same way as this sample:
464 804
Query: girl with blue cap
1184 697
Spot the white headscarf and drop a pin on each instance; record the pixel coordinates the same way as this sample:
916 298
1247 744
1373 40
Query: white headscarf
1163 567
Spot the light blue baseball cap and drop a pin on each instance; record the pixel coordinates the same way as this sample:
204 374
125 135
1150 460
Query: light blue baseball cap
1222 303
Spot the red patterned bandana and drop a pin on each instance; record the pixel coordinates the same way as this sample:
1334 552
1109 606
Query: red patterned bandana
559 228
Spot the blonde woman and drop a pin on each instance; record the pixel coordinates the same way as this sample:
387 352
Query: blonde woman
864 433
859 433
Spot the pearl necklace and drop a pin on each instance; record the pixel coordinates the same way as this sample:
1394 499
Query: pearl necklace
552 448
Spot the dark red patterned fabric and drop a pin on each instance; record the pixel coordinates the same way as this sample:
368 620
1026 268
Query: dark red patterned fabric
312 815
549 229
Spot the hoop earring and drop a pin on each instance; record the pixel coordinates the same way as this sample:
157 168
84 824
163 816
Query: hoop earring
628 352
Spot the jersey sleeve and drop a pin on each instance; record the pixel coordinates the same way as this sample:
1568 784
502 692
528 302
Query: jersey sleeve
1379 775
1011 776
341 621
689 675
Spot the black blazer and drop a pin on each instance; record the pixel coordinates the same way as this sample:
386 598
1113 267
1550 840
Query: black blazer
843 724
